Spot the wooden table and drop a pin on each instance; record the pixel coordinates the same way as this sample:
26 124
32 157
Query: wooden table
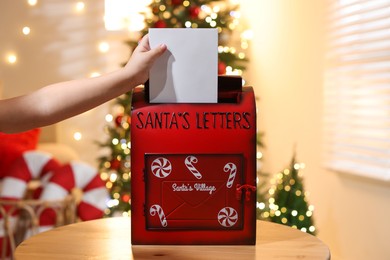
110 239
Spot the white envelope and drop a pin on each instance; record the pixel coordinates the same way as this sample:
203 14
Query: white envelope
188 71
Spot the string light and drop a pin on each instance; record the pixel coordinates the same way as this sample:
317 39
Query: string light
205 9
77 136
125 176
247 35
32 2
186 3
94 74
260 205
104 47
11 58
26 30
109 118
104 176
79 6
235 14
112 203
167 15
113 177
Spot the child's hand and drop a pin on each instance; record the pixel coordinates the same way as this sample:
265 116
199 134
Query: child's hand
142 60
62 100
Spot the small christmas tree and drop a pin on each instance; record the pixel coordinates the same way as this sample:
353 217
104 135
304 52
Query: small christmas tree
222 15
288 203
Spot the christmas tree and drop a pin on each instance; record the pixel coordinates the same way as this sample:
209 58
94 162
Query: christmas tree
288 203
223 15
115 166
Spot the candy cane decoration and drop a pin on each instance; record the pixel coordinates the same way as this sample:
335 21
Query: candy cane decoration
75 175
157 209
30 165
227 217
189 164
161 167
232 168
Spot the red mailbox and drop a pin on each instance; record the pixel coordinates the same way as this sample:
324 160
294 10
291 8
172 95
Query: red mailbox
193 169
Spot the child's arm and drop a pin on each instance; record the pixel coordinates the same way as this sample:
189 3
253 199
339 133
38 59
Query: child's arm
59 101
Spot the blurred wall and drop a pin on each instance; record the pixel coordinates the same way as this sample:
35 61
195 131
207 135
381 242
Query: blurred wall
351 214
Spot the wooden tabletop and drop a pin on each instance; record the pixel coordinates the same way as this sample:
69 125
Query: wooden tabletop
110 239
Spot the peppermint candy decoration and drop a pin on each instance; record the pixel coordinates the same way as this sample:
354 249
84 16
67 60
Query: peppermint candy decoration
161 167
189 161
67 177
156 209
232 168
30 165
227 217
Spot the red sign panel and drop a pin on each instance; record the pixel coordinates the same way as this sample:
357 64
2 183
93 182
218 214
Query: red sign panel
193 191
